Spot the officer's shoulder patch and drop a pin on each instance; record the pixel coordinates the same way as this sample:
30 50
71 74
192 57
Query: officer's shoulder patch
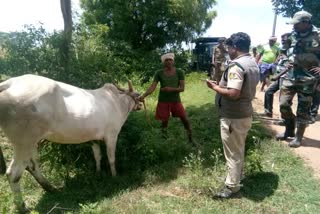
232 76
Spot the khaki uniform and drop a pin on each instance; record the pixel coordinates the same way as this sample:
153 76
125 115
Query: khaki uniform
219 54
236 115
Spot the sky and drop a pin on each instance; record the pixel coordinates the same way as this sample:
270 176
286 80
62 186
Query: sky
16 13
254 17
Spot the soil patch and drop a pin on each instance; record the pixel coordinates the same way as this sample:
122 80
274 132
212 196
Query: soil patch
310 149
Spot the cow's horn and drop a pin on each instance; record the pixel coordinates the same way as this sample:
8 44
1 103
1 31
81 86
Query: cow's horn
130 86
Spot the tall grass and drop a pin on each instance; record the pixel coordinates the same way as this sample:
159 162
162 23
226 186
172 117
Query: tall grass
158 175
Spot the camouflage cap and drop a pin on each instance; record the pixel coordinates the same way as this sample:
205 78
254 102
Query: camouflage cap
300 16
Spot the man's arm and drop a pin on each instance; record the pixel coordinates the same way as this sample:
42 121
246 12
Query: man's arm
258 57
149 91
171 89
227 92
288 67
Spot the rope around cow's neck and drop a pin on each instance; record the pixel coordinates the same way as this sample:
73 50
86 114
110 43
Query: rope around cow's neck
146 115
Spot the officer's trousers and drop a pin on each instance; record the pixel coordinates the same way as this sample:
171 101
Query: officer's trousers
233 136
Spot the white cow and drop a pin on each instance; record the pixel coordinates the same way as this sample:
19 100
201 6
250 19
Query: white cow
34 108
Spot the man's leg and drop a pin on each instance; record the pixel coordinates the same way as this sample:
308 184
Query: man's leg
268 97
186 125
233 136
303 117
177 110
164 125
315 105
163 114
286 96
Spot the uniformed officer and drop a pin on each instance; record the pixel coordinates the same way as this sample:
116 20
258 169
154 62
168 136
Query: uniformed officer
234 96
301 79
219 59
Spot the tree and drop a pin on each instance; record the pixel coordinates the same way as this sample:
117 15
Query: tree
150 24
289 7
67 33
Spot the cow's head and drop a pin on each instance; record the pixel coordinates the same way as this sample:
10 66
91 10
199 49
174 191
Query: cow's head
133 94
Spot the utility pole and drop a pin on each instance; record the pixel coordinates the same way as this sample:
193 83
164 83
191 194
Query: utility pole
274 23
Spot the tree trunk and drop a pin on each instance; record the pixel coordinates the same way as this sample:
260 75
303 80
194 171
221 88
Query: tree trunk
67 34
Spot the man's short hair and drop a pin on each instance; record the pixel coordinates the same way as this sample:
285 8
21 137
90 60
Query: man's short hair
239 40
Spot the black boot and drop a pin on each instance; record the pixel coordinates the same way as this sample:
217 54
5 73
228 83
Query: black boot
289 132
299 135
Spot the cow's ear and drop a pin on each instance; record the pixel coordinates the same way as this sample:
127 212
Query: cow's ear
130 86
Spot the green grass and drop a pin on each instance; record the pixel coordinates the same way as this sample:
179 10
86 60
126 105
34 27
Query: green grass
159 175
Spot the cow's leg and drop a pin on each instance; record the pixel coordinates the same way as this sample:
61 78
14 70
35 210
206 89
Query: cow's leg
111 141
34 169
97 156
2 163
14 173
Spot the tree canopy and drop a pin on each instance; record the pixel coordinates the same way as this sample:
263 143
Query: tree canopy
289 7
150 24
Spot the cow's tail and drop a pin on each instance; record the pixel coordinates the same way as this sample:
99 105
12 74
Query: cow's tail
2 163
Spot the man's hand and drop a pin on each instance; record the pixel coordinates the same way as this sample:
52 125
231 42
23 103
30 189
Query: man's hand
141 98
211 84
315 70
166 89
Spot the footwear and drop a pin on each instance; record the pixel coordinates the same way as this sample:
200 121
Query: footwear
289 132
227 192
299 135
282 136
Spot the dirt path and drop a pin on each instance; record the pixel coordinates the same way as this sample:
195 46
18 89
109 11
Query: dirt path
310 149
